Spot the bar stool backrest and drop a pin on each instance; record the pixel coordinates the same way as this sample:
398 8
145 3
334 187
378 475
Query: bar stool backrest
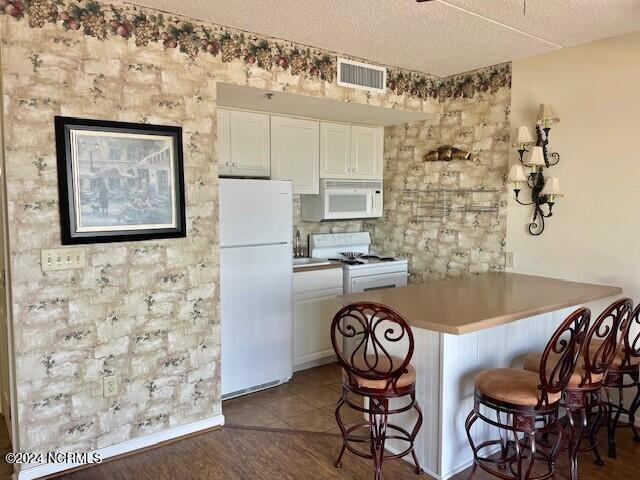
561 354
603 342
630 341
364 334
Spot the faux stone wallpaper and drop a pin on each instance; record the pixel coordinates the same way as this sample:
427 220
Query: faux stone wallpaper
145 311
148 311
458 242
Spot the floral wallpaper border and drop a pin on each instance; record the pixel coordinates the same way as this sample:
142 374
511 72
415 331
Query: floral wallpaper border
145 26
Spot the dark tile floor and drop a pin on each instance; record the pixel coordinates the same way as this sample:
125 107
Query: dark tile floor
306 403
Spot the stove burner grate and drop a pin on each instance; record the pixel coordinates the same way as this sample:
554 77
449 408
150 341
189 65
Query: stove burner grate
347 261
378 257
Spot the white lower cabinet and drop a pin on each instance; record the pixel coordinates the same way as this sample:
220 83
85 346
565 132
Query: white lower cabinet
314 305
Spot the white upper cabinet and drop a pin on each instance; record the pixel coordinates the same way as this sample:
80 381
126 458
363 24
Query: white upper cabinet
295 153
366 152
335 150
351 151
286 148
224 142
249 144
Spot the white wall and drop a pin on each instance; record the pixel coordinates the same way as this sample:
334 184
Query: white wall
594 235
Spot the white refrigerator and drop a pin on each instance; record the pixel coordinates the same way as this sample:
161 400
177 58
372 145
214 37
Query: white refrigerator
256 284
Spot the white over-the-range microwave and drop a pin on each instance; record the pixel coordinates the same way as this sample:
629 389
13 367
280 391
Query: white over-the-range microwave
343 200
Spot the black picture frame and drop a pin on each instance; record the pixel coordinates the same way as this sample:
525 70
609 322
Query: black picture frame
70 198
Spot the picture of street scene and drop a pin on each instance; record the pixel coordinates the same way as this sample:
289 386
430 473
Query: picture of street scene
123 181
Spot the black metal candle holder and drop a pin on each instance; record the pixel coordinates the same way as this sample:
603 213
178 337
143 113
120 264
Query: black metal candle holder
536 182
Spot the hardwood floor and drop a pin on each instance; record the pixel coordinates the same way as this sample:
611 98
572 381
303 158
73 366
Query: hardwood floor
285 449
248 453
238 453
275 444
5 447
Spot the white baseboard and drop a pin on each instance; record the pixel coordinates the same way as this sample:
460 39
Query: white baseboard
315 362
409 459
37 471
625 419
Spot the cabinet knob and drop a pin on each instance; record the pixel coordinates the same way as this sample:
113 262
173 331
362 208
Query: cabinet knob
234 164
227 164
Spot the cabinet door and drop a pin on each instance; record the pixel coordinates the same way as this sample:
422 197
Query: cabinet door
366 152
295 153
249 144
224 142
335 150
313 314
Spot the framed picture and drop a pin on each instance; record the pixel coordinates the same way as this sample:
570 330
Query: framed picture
119 181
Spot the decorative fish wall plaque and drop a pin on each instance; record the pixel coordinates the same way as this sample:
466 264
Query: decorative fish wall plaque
447 153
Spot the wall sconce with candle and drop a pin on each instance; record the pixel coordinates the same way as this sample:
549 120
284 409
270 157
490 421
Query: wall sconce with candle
543 191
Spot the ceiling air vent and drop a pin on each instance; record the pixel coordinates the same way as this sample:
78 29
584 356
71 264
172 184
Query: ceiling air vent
362 76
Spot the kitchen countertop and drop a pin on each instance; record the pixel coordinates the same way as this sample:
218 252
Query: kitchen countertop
460 305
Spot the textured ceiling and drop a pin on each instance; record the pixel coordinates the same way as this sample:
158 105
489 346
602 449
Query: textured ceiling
443 37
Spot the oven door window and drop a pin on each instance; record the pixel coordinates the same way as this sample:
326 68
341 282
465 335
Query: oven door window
378 282
348 205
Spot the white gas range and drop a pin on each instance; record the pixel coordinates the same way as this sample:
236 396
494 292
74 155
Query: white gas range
363 270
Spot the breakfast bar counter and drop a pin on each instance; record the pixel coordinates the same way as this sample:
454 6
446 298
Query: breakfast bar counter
460 305
463 325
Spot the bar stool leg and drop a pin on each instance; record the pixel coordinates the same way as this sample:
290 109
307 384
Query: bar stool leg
414 433
468 424
504 442
632 414
378 416
338 462
518 448
534 452
614 417
575 439
593 431
557 447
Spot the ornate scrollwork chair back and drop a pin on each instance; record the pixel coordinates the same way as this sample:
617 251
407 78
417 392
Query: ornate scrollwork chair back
604 341
561 354
362 335
631 339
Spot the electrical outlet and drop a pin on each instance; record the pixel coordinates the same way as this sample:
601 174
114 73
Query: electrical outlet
110 386
510 259
62 259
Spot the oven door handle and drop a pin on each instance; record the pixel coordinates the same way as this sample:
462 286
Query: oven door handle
382 287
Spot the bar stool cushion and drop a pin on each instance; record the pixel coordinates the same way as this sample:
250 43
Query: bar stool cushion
511 385
532 364
406 379
618 359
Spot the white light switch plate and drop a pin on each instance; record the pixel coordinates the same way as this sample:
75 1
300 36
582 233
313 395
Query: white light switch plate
62 259
510 259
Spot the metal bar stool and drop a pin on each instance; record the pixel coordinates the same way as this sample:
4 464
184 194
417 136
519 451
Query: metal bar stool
626 365
530 402
582 399
362 335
